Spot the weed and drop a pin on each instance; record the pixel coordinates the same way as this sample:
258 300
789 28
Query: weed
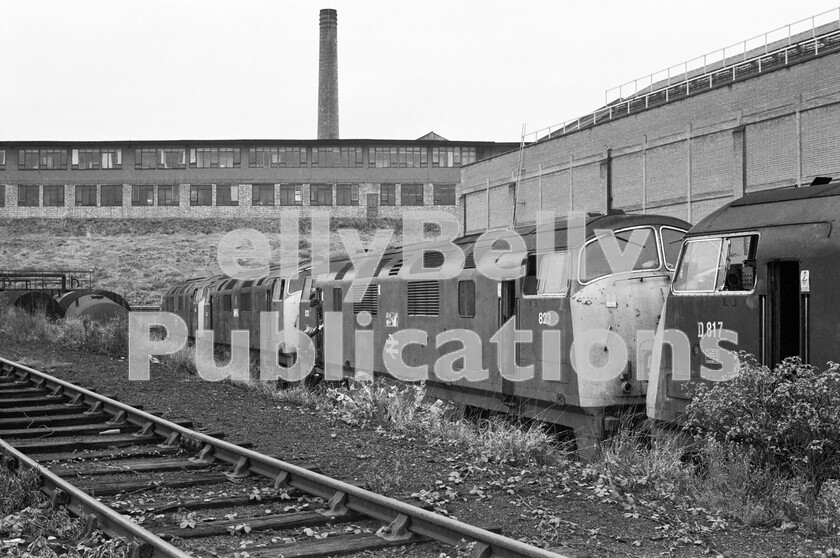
386 479
109 337
298 395
406 408
19 491
182 361
25 514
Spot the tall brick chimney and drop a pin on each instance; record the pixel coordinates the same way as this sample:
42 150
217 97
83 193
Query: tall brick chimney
328 76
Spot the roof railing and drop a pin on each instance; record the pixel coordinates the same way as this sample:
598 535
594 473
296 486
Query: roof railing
756 55
58 280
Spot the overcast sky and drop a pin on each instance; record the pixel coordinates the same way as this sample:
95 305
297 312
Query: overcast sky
468 70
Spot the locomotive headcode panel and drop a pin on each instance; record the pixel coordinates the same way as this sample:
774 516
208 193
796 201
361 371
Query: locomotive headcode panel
757 276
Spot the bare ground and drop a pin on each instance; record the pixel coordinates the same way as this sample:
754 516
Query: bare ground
558 507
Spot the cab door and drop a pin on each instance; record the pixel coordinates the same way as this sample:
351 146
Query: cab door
508 306
785 326
308 313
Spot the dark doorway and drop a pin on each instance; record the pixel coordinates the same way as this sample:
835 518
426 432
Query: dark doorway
372 206
507 310
784 311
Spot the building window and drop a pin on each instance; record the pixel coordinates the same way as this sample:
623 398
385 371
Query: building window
168 195
290 194
387 194
145 159
411 194
320 194
452 156
86 196
44 159
444 194
142 195
28 196
27 159
201 195
265 157
326 157
53 196
214 157
53 159
111 195
172 158
227 194
405 157
466 299
94 159
2 158
262 194
347 157
352 157
346 194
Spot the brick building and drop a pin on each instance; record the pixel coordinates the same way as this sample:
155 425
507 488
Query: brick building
681 147
241 178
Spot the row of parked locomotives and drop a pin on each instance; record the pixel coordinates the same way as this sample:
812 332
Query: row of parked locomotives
506 344
222 304
758 275
535 337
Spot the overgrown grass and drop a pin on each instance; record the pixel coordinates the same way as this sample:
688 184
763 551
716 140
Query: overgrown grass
722 479
81 334
140 258
405 408
30 528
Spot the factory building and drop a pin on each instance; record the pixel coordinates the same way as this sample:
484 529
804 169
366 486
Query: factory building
240 178
682 142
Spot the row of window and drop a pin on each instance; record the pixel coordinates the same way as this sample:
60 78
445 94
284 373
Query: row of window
111 195
230 157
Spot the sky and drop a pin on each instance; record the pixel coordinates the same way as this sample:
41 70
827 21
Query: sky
466 69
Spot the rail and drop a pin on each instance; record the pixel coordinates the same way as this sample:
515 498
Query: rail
766 52
97 515
402 517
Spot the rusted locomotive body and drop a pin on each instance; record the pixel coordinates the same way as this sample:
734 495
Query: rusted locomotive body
223 304
505 344
757 275
467 347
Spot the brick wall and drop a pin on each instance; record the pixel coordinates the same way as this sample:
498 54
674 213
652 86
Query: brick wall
685 158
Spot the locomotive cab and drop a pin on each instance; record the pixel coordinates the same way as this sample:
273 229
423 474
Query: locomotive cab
756 277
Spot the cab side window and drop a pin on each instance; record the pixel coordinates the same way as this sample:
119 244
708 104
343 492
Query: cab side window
631 250
466 299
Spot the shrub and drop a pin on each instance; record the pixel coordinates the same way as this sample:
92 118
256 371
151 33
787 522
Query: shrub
787 418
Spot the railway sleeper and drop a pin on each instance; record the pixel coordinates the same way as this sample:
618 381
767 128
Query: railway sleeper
42 410
80 429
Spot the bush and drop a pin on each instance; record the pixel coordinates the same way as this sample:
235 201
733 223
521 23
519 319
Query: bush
787 418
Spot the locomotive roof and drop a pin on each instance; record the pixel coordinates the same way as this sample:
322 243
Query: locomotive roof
772 208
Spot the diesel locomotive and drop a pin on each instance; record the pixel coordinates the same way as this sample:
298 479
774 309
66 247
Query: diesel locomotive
757 275
514 343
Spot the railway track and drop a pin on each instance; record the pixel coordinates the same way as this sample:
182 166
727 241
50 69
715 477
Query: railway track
177 492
